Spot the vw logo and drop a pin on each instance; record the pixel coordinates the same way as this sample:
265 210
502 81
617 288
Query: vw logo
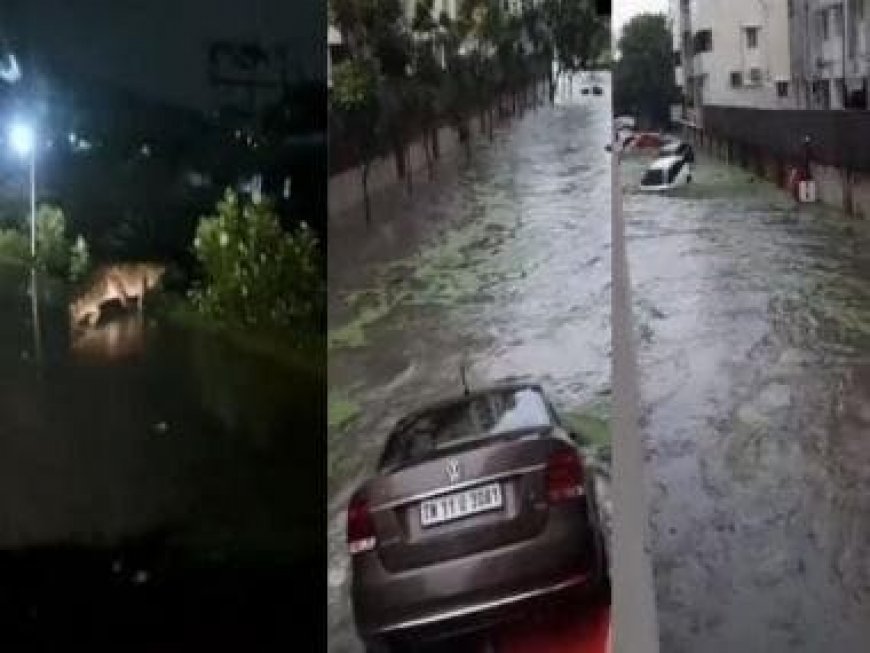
453 470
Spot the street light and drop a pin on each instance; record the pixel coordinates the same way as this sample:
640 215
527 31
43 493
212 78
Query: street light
22 139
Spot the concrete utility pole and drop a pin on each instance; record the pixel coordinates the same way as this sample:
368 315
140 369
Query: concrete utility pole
634 627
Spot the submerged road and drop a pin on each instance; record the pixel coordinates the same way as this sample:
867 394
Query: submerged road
504 261
754 320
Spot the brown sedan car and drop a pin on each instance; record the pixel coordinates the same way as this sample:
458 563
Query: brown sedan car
481 508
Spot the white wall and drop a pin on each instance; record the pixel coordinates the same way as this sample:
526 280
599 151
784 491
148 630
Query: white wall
728 20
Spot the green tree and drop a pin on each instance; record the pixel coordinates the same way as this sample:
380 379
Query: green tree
484 24
644 75
375 31
428 76
255 273
578 36
460 84
52 248
355 95
14 245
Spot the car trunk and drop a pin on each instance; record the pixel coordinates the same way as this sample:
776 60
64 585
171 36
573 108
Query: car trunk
515 464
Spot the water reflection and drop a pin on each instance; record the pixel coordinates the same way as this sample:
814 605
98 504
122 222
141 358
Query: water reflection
34 312
119 338
138 424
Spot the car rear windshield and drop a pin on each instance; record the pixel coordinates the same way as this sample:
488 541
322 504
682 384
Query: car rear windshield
653 177
475 418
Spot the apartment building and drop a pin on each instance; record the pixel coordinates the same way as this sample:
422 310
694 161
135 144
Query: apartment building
732 53
830 50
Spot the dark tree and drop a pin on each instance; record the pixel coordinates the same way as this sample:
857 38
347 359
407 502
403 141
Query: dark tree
644 74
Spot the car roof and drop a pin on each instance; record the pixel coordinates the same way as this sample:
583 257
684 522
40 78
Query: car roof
463 398
665 162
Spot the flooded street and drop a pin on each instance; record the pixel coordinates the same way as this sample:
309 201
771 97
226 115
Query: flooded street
503 261
754 326
144 455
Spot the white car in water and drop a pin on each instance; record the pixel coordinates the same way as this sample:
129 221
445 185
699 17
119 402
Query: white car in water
666 173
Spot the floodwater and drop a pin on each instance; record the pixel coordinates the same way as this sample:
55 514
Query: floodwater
754 323
503 262
153 480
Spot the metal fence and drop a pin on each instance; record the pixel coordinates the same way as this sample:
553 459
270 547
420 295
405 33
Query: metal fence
837 138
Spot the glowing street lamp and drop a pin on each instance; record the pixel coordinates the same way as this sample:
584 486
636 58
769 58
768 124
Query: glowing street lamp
22 140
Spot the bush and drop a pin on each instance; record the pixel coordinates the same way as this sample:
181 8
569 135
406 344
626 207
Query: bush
14 245
79 259
255 273
52 248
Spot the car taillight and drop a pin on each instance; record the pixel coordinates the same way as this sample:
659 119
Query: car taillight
360 526
564 475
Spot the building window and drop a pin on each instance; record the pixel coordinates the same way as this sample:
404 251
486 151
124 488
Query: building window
736 79
822 94
782 89
791 8
703 41
751 38
852 35
837 17
755 76
678 59
822 30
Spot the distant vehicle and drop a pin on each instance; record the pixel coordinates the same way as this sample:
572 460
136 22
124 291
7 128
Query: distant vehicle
666 173
678 148
481 506
597 90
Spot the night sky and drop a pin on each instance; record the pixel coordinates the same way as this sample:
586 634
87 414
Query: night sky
159 47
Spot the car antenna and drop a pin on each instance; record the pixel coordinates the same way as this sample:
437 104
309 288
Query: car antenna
463 369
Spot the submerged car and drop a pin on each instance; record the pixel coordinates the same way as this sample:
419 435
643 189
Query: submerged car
648 141
666 173
482 506
628 141
678 148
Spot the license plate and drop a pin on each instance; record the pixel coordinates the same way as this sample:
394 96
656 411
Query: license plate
461 504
